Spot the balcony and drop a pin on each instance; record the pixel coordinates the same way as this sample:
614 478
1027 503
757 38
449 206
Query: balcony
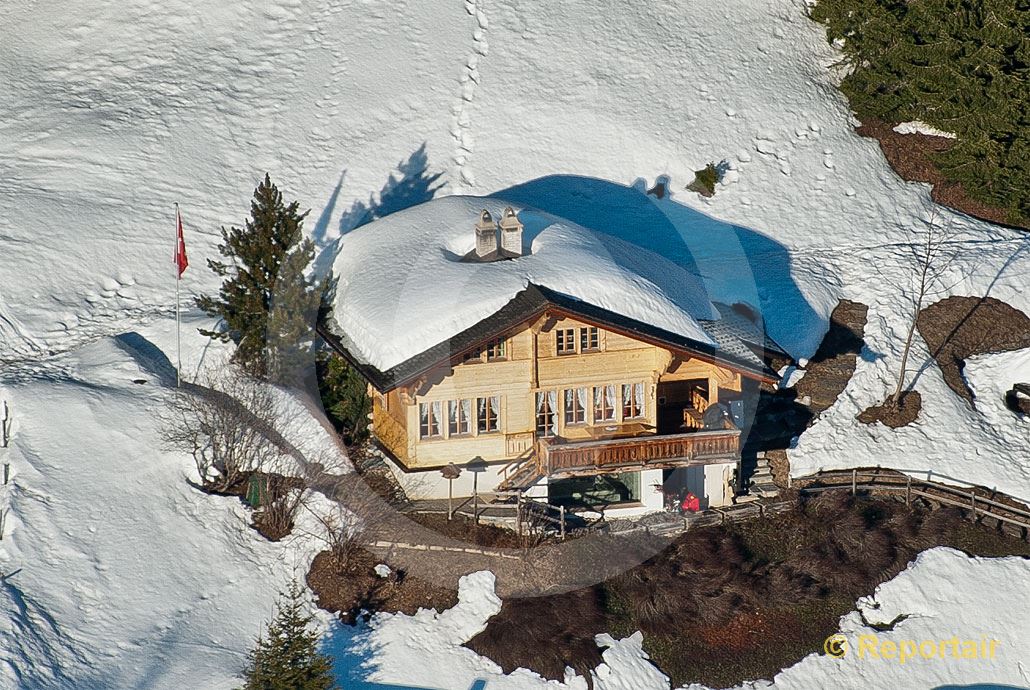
558 458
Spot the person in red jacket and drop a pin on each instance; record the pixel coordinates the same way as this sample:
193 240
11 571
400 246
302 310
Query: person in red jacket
690 504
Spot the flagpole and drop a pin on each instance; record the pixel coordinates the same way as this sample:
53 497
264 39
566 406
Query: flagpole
178 276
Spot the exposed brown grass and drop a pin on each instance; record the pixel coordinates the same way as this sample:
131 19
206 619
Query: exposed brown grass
350 586
731 603
894 415
910 156
957 328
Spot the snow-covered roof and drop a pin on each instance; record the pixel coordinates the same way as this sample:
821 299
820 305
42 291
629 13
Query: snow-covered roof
403 289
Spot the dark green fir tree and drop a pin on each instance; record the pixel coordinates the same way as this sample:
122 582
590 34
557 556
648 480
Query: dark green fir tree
267 305
286 656
345 397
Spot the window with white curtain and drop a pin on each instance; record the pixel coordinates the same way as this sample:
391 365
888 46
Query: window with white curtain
575 405
546 412
429 415
604 403
632 400
487 414
459 416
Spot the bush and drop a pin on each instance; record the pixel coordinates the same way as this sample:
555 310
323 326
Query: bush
705 180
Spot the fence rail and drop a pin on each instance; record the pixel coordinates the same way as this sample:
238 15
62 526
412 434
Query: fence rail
978 501
638 452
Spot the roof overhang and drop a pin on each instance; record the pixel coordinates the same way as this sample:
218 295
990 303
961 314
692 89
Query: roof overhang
524 308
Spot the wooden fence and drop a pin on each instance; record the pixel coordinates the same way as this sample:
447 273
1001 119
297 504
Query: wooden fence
978 501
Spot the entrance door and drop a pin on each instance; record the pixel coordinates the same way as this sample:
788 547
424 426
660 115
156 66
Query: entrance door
675 401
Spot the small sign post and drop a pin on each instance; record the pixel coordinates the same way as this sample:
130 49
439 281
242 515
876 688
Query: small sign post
450 473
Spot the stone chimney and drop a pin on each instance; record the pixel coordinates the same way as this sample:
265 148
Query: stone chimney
511 232
486 235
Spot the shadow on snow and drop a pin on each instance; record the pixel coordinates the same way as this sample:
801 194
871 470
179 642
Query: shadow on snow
735 263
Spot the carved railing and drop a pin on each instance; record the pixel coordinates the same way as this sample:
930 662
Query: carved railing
671 450
698 400
517 444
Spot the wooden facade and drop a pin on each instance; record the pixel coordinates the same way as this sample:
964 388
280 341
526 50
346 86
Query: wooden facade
614 401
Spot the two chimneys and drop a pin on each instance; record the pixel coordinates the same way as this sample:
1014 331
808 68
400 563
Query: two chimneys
501 240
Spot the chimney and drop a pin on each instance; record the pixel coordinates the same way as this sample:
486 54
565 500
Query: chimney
486 235
511 232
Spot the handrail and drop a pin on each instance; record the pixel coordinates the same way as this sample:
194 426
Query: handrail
557 456
893 480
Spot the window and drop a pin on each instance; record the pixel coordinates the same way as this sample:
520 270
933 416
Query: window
495 350
546 409
604 403
429 419
473 356
601 491
575 405
565 341
459 415
589 339
632 400
486 414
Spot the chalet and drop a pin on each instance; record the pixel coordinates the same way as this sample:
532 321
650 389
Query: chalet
537 355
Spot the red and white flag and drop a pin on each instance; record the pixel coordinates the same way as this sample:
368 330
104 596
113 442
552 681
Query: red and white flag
181 262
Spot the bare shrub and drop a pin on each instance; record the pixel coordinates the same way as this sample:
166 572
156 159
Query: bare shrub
279 501
353 518
227 424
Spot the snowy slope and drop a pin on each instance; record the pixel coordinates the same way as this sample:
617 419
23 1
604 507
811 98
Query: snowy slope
117 573
114 109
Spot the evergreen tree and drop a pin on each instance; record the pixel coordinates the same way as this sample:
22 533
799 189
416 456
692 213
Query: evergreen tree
267 304
344 394
286 656
962 66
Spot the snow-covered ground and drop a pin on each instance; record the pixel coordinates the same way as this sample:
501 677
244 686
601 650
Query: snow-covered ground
917 127
112 110
116 573
944 594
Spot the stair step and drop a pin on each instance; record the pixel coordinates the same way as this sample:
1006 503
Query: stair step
766 490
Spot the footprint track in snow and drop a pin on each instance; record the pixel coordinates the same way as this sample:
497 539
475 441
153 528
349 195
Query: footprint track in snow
461 125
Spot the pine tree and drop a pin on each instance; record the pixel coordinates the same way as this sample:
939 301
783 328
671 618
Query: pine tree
344 396
267 304
960 65
286 656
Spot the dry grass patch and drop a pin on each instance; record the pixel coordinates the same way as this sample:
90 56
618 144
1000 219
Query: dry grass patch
727 604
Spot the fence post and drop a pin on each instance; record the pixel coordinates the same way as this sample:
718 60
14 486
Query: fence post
3 523
5 425
908 491
972 495
854 482
7 472
518 512
562 514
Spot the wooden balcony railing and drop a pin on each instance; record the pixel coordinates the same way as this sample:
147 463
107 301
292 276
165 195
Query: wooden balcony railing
638 452
518 444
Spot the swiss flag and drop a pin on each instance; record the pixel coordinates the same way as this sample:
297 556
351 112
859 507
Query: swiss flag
181 262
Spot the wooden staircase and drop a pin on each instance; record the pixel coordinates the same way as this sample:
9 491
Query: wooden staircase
520 474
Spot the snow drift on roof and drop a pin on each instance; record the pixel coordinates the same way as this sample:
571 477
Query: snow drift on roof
403 289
